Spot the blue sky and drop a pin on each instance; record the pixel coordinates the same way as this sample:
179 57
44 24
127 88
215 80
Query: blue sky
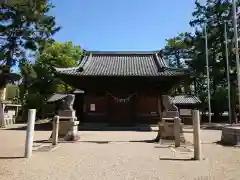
121 24
124 25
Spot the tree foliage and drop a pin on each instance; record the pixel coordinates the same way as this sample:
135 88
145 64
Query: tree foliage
25 28
58 55
189 49
176 50
39 80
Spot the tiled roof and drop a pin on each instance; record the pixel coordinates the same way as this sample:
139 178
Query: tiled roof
96 63
59 96
185 99
56 97
78 91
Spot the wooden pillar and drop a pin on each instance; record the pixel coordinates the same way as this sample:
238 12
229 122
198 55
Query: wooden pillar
134 108
108 117
158 138
159 106
85 108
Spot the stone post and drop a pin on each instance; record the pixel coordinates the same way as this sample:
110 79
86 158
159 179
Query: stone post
196 135
55 130
177 130
30 133
74 128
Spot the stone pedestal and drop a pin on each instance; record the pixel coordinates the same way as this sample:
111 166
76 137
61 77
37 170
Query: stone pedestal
167 131
231 135
64 127
68 126
67 113
72 135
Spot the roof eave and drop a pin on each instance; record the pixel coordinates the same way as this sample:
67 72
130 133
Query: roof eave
151 76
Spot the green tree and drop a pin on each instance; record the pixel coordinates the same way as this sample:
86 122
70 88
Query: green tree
177 52
7 76
189 49
28 79
213 15
59 55
25 27
39 80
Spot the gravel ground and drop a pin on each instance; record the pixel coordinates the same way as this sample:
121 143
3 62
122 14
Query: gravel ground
115 156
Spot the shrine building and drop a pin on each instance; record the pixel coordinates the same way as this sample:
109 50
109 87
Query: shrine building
121 87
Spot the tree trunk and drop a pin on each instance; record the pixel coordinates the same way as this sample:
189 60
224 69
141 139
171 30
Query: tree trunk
233 104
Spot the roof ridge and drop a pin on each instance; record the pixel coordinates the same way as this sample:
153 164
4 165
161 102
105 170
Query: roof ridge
188 95
79 66
67 68
87 62
84 60
122 52
147 63
160 68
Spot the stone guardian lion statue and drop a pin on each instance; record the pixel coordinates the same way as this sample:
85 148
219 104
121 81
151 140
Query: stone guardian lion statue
67 102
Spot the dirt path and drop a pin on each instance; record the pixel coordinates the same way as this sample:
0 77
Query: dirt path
115 155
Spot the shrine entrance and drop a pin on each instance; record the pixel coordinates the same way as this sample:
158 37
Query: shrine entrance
121 109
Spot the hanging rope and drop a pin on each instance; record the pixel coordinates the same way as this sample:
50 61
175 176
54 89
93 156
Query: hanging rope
122 100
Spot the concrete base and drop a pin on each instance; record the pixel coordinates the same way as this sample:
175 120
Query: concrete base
72 131
64 128
71 136
231 135
167 131
68 131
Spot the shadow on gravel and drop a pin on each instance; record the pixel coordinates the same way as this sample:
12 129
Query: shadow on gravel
17 157
98 142
209 143
113 128
175 159
42 141
161 147
226 144
48 127
38 127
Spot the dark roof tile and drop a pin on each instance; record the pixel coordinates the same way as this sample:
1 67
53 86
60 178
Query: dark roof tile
185 99
121 64
56 97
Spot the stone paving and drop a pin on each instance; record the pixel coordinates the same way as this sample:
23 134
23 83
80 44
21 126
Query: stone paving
114 155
